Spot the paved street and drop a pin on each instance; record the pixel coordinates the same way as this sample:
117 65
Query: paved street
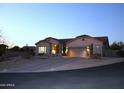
110 76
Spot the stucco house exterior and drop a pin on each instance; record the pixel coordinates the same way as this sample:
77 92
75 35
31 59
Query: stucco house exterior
80 46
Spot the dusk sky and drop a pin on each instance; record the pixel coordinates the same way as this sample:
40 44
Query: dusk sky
23 24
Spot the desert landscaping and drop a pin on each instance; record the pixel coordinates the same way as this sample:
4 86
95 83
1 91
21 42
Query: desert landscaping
46 64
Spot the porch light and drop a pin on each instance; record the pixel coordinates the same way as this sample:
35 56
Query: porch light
62 51
88 49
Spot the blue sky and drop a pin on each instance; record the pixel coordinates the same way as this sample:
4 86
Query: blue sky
24 24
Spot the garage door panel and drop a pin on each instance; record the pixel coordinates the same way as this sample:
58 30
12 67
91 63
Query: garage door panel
79 52
75 52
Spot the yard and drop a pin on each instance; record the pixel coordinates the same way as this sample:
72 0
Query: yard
39 64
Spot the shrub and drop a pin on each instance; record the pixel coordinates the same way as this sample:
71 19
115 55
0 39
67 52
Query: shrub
27 57
96 56
41 54
120 53
1 59
15 48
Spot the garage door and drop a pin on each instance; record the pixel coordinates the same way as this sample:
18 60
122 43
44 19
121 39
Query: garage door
78 52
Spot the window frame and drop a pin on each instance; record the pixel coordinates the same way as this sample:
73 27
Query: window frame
42 50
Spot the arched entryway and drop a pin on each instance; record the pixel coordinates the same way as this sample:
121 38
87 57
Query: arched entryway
54 49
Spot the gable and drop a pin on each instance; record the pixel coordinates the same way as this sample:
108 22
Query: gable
83 41
43 43
52 40
104 40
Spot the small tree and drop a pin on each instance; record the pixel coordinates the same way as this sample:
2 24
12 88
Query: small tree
64 49
15 48
116 46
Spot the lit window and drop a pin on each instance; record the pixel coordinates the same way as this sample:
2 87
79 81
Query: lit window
42 49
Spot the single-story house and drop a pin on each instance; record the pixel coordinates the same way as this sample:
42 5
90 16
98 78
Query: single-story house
80 46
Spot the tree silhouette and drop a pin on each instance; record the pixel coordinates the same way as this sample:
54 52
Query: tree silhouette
3 44
15 48
117 45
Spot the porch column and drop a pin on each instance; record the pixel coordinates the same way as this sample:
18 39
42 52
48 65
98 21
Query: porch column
101 50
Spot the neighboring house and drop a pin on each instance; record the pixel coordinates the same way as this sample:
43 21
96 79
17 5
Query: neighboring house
29 48
81 46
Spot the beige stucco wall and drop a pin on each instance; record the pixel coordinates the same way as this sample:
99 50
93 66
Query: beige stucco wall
43 44
97 49
46 44
75 52
97 46
86 42
52 41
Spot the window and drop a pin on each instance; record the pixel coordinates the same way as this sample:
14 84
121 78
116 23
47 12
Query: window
42 49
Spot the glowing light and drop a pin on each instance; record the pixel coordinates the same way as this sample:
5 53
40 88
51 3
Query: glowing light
88 49
84 54
53 51
42 49
71 53
62 51
66 50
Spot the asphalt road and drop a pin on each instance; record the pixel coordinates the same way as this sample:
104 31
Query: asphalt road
104 77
